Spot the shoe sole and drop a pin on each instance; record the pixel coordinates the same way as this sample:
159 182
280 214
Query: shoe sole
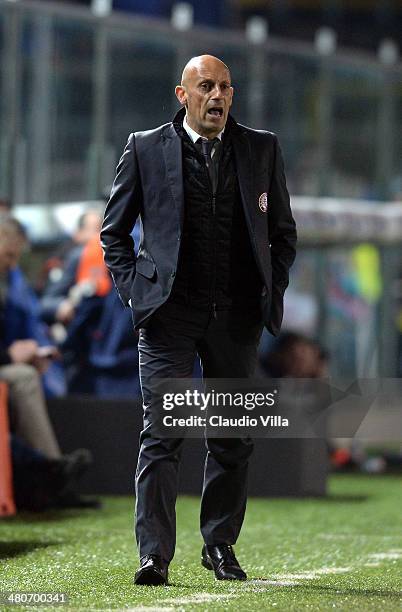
149 577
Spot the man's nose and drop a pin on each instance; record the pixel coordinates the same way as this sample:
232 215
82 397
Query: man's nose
217 92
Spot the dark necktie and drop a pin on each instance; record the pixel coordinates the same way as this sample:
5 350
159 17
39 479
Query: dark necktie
211 162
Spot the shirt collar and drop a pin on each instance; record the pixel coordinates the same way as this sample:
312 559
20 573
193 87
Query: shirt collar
193 134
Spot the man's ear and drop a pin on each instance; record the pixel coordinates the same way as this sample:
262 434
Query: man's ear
181 94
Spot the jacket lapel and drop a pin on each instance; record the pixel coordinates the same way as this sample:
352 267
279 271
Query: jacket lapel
242 153
174 167
245 171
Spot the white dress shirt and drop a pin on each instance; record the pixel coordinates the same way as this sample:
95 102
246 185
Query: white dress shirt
194 136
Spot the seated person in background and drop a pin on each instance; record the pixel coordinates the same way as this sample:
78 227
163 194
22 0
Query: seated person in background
20 364
46 472
41 483
20 308
92 328
22 361
100 352
5 205
295 356
61 296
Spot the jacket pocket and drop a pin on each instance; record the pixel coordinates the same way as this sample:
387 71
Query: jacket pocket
145 267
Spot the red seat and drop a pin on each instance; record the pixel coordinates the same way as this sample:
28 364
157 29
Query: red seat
7 505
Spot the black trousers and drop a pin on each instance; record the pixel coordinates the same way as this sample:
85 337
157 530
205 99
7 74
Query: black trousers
227 347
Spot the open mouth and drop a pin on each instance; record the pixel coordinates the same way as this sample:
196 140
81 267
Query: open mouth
216 111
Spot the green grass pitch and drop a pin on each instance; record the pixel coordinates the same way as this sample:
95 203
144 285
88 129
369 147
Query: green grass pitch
343 552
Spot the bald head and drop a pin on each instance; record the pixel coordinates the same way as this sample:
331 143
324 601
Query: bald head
200 63
206 93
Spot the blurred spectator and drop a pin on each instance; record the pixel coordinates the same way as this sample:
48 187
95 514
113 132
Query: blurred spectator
89 225
62 294
99 346
5 205
22 361
100 351
295 356
41 483
21 358
42 474
93 329
24 338
28 413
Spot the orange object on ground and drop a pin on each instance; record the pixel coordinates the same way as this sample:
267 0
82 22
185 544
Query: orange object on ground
91 268
7 505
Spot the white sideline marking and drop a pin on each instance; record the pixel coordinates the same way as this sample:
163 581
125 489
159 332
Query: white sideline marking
386 555
340 536
333 570
199 598
357 536
263 581
297 576
310 575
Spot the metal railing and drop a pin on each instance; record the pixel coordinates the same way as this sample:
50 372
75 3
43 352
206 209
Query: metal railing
73 85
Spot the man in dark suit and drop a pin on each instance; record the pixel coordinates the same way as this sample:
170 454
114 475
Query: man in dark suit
218 241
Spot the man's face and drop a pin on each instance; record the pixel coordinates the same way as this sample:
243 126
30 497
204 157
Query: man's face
91 227
303 360
207 94
10 252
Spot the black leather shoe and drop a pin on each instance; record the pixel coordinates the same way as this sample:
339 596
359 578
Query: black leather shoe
153 571
222 560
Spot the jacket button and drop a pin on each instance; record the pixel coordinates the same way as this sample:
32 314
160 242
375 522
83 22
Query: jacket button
173 273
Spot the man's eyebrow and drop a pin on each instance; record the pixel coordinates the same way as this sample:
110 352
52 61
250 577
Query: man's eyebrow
208 80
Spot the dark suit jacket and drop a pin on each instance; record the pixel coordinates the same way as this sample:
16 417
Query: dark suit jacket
149 183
